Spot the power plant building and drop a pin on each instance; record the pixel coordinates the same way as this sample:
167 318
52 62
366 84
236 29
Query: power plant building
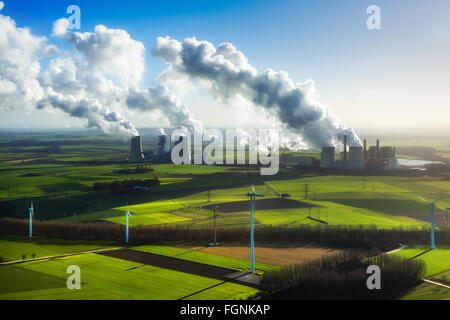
328 157
359 158
164 144
136 152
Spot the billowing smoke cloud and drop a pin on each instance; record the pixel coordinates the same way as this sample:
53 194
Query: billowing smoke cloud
160 97
229 74
71 85
90 109
112 51
98 81
19 67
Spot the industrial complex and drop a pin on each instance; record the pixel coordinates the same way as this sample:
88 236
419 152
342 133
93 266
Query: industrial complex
350 158
163 150
357 157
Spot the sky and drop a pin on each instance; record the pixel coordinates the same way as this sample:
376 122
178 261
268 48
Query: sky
395 78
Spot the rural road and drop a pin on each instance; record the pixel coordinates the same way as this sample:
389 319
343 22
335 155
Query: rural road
60 256
436 283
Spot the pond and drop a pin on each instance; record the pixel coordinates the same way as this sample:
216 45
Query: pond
415 163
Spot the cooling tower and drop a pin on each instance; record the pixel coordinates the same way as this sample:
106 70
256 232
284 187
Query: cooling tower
356 153
136 153
162 141
327 159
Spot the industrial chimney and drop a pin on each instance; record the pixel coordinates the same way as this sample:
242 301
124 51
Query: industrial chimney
345 148
136 153
378 148
365 149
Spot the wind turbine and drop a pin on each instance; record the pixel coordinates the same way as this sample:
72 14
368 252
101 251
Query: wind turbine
126 215
432 205
252 196
31 211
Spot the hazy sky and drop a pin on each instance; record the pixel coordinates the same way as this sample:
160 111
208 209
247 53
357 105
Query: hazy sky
396 77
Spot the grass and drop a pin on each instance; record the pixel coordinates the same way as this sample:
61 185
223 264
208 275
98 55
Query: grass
437 265
147 219
202 257
334 214
107 278
65 188
427 291
437 260
386 205
13 247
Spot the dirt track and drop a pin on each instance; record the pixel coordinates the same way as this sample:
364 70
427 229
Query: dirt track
261 204
156 260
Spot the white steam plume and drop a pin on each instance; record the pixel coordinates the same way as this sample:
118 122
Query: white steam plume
159 97
229 74
71 85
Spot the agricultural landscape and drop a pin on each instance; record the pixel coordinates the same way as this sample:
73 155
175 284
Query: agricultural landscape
303 217
224 159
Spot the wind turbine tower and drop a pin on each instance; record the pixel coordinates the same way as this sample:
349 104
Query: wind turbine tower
252 196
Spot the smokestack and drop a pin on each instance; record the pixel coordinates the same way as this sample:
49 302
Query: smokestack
136 153
365 149
345 148
378 148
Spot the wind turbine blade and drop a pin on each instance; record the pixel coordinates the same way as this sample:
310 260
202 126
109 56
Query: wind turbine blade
439 199
424 200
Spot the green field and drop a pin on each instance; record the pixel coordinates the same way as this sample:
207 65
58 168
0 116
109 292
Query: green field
13 247
57 173
335 214
437 260
201 257
437 263
108 278
427 291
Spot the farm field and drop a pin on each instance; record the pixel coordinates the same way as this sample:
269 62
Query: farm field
437 260
60 183
271 255
13 247
437 263
186 210
146 219
427 291
110 279
201 255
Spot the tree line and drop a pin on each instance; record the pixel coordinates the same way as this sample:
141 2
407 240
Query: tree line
125 186
343 276
368 239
